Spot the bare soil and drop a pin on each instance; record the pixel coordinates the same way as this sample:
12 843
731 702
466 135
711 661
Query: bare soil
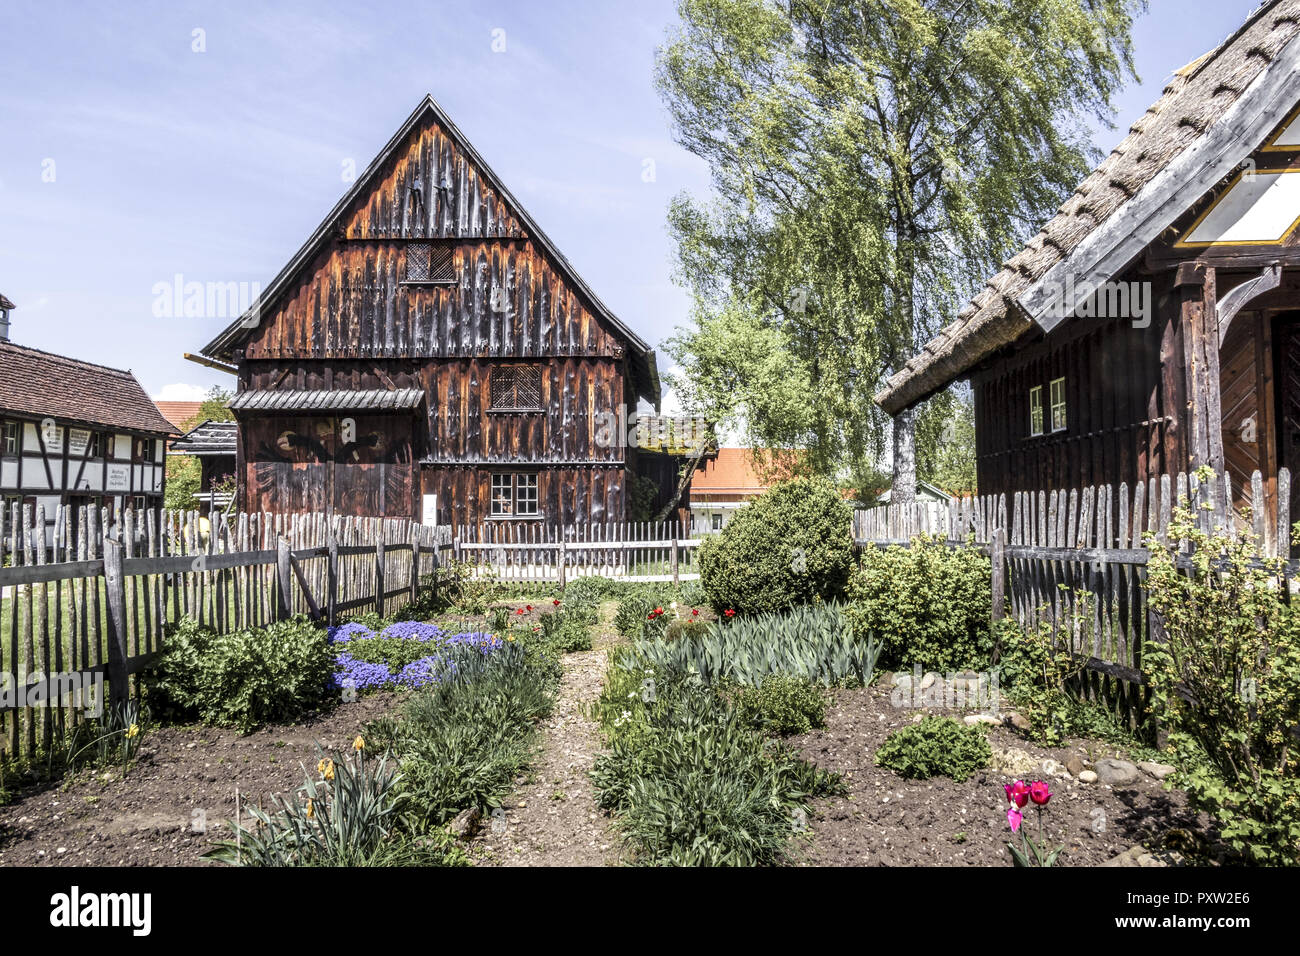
176 796
885 820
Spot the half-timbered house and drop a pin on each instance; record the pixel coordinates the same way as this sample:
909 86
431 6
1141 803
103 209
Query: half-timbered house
430 353
76 433
1153 325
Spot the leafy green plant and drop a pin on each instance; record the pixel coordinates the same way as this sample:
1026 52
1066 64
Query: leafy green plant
636 617
814 642
790 546
929 604
567 630
246 678
462 742
935 747
345 815
686 629
694 785
783 704
1225 681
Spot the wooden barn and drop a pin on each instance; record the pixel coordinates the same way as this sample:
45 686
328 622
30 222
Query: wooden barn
1153 325
76 433
430 353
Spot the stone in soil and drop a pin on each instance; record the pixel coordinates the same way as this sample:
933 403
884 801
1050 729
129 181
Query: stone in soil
1116 773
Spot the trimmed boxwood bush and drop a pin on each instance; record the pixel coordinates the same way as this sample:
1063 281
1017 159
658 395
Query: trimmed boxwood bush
791 545
929 604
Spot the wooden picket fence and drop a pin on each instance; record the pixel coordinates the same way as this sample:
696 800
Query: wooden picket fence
1076 560
632 551
85 604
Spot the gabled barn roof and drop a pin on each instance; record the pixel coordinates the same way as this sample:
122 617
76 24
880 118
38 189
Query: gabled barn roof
221 347
37 384
1214 113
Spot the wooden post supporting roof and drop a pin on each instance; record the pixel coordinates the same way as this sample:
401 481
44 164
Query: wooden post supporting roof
1198 317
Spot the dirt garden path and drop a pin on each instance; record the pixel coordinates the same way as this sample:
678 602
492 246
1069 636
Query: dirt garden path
552 819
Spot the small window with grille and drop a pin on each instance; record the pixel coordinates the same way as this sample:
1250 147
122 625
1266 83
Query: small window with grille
516 388
428 263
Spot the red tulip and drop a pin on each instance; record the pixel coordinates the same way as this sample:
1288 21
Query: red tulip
695 612
730 612
556 602
520 611
530 607
1040 793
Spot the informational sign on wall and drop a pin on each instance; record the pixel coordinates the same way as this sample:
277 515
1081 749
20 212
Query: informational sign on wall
430 517
78 439
119 477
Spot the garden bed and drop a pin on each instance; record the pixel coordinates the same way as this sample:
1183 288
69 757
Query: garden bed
97 818
885 820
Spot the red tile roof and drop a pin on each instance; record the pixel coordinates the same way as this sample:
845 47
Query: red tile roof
179 413
37 384
733 472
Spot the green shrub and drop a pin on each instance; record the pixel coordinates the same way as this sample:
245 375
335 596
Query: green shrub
1225 681
813 642
783 705
461 743
936 747
246 678
929 604
694 785
791 545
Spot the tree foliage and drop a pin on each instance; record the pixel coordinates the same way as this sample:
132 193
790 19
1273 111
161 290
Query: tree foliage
872 162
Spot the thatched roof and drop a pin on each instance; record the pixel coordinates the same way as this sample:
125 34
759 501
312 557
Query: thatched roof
1212 115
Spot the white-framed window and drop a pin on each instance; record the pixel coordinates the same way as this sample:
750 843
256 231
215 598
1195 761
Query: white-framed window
1036 410
140 503
1058 404
514 495
717 521
13 433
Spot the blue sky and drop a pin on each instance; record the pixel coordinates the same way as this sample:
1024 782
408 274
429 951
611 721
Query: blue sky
126 157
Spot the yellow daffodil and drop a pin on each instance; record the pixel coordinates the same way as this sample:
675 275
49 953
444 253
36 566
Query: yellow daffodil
133 731
359 744
311 809
326 768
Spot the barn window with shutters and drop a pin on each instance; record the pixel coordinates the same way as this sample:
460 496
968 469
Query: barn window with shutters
430 264
515 388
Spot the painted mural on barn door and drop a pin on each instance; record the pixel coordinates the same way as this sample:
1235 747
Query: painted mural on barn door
345 465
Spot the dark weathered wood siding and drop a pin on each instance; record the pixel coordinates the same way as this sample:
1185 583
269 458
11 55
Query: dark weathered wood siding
350 321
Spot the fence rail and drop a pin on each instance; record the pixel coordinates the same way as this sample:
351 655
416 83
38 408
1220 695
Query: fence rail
1076 560
88 598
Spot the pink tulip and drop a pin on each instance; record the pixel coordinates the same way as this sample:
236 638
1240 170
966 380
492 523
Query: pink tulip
1040 793
1017 793
1014 816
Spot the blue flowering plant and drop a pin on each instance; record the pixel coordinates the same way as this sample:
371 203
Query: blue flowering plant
406 654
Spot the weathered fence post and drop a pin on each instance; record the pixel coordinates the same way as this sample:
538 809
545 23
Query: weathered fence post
379 577
284 575
676 578
998 559
415 564
332 579
115 592
560 556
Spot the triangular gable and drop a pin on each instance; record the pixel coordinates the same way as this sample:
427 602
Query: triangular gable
507 219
